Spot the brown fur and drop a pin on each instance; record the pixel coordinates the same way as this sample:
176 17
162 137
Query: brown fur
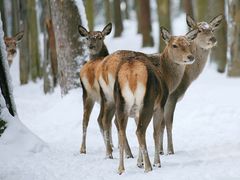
11 46
167 73
200 47
91 92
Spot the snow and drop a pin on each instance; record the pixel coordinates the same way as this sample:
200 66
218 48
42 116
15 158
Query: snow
206 132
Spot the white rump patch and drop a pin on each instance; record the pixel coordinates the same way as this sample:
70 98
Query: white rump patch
93 91
107 88
134 100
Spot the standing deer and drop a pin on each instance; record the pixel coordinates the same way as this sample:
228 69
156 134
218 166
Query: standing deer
141 90
91 94
11 46
201 48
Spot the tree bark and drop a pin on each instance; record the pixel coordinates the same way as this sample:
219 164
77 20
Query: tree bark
70 52
107 9
89 4
117 18
188 7
126 11
137 10
15 16
4 20
146 26
24 63
35 66
163 7
234 29
219 53
5 89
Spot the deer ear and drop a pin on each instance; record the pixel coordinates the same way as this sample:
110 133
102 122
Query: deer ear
18 37
82 31
190 21
191 35
215 22
107 29
165 34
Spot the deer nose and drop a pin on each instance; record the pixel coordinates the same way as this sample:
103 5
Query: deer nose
91 47
213 39
190 57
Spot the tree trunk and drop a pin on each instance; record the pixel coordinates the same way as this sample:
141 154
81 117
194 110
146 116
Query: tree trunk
107 9
163 7
35 66
24 63
234 29
70 52
50 56
137 10
188 7
15 16
89 4
4 20
5 87
126 10
146 26
219 53
202 11
117 18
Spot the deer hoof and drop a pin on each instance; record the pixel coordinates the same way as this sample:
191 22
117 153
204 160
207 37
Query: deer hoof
158 165
148 169
82 151
140 164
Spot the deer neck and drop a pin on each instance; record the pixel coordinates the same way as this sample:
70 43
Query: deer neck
101 54
172 71
201 57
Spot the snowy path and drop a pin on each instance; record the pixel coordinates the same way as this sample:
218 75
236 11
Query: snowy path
206 137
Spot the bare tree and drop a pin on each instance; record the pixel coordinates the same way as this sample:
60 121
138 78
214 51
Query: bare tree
163 7
234 27
70 51
107 9
219 53
146 26
24 64
117 18
5 89
89 4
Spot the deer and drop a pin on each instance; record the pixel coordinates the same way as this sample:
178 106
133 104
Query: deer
11 46
91 91
201 48
141 89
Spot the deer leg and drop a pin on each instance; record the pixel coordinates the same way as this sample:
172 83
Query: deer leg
157 121
158 113
168 117
162 127
109 111
128 151
88 106
144 120
122 122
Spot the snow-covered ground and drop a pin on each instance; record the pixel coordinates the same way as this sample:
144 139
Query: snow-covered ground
206 132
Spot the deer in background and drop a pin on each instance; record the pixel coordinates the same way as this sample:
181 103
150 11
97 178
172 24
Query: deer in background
91 93
11 46
141 90
201 48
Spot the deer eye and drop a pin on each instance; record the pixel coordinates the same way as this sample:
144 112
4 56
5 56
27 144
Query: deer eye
199 30
174 46
87 38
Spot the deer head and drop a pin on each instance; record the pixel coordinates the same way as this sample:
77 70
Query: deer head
205 38
95 38
11 45
178 47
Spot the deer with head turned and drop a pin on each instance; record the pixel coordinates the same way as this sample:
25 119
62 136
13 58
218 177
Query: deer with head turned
201 47
141 90
11 45
91 93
